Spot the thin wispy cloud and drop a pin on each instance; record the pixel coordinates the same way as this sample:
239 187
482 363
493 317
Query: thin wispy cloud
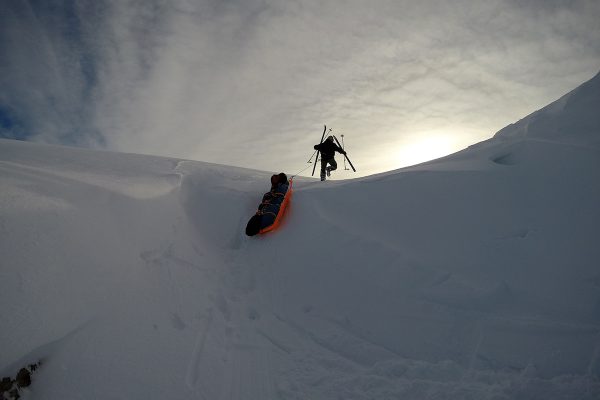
250 83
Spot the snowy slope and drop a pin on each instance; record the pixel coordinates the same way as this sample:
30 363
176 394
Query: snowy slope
472 276
574 119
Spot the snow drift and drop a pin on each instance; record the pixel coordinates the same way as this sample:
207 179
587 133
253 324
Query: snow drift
472 276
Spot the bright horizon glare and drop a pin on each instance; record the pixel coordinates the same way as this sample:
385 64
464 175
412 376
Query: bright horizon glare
429 146
251 83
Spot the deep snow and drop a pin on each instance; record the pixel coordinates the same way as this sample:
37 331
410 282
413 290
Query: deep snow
473 276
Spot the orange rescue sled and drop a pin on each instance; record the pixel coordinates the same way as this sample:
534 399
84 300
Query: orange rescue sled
279 217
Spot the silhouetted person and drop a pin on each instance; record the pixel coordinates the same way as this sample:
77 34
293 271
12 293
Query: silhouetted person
328 149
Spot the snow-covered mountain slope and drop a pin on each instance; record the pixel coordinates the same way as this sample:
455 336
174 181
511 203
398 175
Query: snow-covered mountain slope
473 276
574 119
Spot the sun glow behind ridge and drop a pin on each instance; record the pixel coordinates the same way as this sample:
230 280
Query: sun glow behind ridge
425 146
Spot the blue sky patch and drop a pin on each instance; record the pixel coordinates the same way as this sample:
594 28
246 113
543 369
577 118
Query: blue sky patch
10 126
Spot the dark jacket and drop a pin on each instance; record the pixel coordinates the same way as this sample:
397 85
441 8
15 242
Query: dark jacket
269 208
328 149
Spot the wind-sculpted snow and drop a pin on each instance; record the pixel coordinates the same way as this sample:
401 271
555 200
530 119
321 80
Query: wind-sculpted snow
473 276
573 119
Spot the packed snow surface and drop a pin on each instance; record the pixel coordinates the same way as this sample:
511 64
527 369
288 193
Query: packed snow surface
473 276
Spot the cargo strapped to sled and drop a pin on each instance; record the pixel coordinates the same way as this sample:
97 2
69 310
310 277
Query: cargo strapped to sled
282 207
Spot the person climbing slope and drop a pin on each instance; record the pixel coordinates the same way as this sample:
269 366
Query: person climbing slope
328 149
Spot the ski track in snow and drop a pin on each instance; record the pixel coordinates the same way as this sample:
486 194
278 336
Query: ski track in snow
230 349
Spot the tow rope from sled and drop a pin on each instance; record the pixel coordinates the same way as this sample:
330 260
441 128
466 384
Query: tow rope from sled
299 172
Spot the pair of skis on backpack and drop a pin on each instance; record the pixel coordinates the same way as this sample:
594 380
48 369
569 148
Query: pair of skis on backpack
338 144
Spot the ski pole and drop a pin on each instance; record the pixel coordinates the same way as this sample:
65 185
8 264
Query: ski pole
345 168
345 155
317 159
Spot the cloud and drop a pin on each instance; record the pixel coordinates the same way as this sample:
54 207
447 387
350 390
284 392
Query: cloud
250 83
45 74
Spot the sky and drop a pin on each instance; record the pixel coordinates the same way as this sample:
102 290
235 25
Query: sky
251 83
